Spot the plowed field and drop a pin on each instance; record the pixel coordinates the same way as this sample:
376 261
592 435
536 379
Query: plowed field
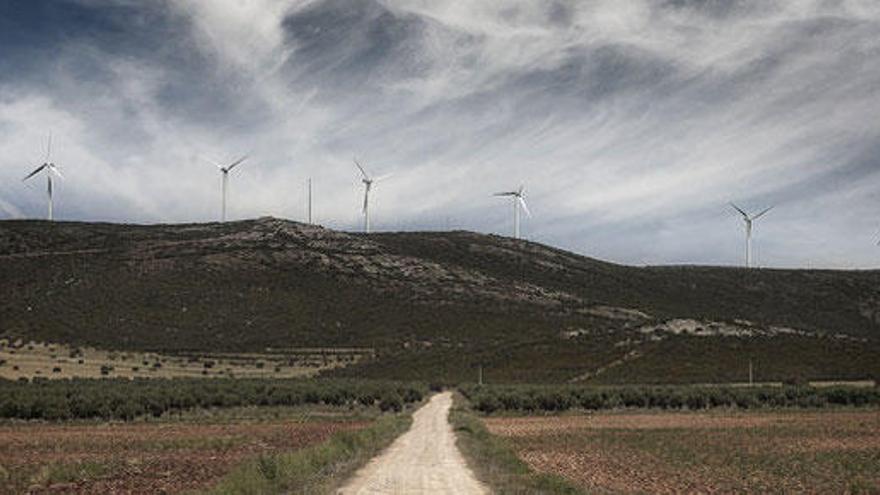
704 452
144 457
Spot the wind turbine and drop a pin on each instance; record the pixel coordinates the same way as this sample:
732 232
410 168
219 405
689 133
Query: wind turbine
518 202
368 184
225 171
748 219
50 169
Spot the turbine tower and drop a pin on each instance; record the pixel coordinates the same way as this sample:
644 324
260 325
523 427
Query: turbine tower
518 202
748 219
368 184
50 169
224 170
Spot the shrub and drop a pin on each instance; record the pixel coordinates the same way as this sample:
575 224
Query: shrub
392 402
267 466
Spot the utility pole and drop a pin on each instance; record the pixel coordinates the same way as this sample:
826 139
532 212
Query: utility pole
310 200
751 373
480 374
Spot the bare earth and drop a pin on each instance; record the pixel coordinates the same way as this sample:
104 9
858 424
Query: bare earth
423 460
719 451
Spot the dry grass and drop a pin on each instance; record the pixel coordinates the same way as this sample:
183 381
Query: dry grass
705 452
51 360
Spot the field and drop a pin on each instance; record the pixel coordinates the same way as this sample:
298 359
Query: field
20 359
193 451
116 435
719 451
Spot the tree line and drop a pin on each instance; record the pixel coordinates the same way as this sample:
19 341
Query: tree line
553 398
128 399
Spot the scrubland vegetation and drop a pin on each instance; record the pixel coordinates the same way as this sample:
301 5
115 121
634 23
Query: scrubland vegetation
429 304
20 359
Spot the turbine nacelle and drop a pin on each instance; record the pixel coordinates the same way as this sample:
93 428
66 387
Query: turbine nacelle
748 220
50 170
224 170
368 184
518 202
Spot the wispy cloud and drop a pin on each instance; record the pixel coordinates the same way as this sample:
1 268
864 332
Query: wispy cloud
630 123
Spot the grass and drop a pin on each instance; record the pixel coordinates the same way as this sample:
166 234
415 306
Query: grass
71 472
314 470
54 473
494 461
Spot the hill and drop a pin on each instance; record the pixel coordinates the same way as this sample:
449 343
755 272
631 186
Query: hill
432 305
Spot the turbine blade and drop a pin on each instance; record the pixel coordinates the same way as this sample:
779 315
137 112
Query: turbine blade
35 172
212 162
740 210
53 169
366 196
510 193
383 177
520 190
236 163
759 215
361 169
48 148
522 202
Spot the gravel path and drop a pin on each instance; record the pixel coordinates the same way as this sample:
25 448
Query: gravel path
423 460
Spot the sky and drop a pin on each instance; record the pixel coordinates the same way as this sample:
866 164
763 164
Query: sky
630 124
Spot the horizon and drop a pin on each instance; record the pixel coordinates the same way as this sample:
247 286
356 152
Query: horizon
630 125
428 231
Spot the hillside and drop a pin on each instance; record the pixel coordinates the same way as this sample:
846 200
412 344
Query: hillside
433 305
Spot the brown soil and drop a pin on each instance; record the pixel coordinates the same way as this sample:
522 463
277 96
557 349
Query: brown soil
713 452
150 458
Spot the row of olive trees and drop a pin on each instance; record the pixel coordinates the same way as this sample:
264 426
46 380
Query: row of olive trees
528 398
128 399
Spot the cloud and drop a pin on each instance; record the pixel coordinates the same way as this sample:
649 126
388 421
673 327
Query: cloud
630 123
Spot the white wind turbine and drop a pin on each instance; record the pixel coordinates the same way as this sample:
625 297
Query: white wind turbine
224 170
748 219
518 202
50 169
368 184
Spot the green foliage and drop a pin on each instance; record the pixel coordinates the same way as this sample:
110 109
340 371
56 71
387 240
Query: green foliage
497 465
316 469
557 398
128 399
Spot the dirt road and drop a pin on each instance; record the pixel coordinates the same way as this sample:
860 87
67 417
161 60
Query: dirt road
423 460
